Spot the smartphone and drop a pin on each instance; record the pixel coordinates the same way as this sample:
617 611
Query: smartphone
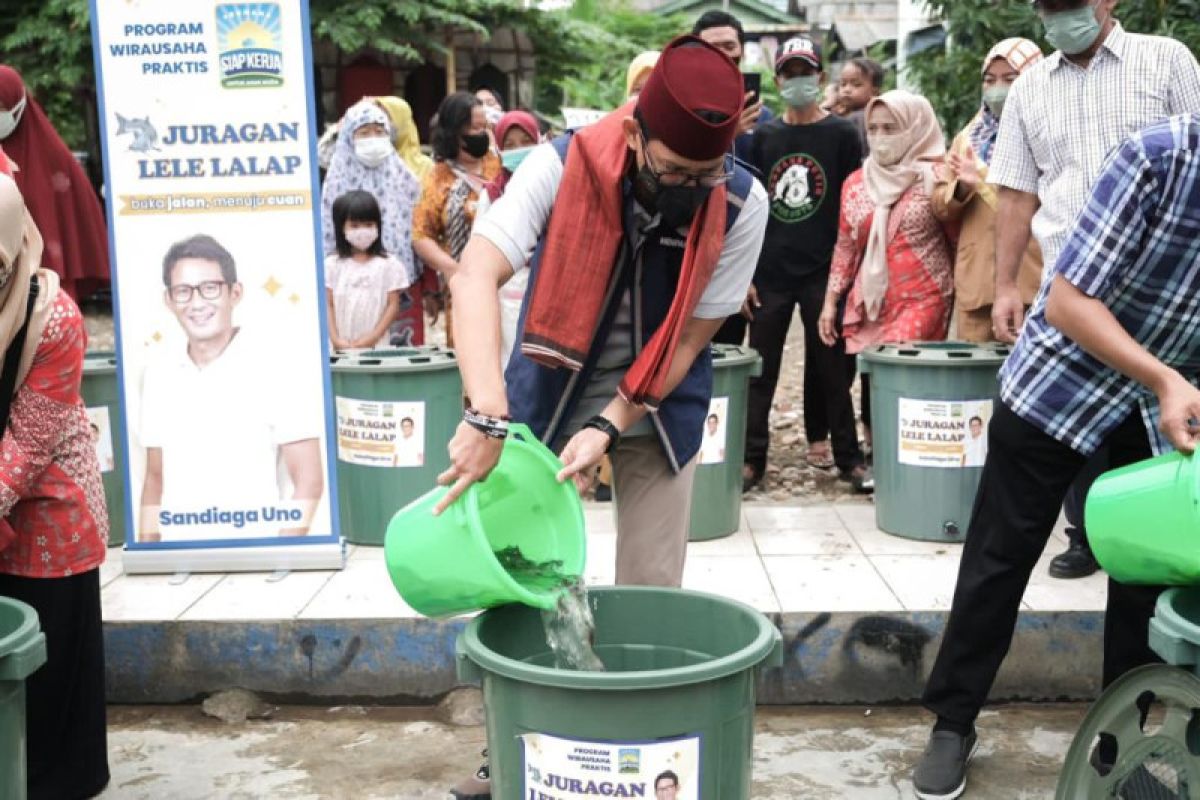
752 81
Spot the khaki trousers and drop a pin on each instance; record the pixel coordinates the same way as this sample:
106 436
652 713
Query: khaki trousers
653 507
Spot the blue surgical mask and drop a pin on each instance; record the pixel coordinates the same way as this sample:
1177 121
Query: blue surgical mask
802 91
513 158
1073 31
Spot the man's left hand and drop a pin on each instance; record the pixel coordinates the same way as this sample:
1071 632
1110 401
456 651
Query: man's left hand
582 455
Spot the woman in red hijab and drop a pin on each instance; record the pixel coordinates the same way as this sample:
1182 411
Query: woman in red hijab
56 190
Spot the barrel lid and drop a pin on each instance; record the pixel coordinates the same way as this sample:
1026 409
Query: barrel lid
404 359
937 353
99 361
733 355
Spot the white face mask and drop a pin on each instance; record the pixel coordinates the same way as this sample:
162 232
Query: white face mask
10 118
362 238
373 150
887 149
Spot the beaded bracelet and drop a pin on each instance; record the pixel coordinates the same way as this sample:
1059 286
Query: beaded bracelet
492 427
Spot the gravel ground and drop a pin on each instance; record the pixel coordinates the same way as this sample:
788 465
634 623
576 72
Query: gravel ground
789 478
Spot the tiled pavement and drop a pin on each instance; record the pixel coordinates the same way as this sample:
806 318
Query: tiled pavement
785 559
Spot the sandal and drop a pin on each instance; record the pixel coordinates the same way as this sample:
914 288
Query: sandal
819 456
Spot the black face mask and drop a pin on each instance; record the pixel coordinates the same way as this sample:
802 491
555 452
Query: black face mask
677 205
476 144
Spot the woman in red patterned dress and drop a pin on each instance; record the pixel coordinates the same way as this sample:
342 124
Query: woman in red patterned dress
892 263
53 522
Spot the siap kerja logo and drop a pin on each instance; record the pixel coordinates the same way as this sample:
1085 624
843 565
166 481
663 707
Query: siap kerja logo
249 44
629 761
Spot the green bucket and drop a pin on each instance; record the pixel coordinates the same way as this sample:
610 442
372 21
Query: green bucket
678 694
1142 521
447 565
22 652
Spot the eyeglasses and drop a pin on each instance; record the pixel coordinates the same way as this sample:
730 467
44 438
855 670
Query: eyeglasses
707 180
182 293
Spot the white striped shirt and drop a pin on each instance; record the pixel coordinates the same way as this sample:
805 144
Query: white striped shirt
1061 121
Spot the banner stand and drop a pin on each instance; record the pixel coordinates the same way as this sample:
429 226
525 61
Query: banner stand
208 124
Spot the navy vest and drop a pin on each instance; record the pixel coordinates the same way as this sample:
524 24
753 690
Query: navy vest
545 399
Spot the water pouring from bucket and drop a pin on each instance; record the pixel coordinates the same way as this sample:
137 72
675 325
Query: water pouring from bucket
517 537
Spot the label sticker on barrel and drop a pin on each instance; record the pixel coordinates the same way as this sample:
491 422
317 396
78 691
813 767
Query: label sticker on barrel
101 430
716 429
371 433
944 434
570 769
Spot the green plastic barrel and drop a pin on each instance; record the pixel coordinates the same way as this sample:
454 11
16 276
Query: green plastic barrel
1175 627
1142 521
451 564
717 492
22 651
102 397
930 408
396 412
1149 715
677 696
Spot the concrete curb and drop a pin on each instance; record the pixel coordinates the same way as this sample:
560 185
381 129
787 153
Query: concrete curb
837 658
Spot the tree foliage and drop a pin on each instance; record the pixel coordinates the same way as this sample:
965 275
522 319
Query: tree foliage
610 33
50 44
950 78
582 53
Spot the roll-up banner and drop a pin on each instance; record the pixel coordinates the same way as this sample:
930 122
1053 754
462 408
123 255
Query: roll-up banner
207 122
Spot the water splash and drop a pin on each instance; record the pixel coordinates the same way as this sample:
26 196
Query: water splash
571 630
570 627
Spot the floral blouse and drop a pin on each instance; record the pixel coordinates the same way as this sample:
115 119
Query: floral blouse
432 217
920 288
54 522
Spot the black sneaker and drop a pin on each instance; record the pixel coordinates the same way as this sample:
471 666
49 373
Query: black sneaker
1076 562
476 787
942 771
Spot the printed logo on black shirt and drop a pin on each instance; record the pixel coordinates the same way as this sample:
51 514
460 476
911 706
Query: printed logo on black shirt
797 187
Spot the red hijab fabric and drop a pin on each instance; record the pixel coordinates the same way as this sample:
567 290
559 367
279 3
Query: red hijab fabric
57 193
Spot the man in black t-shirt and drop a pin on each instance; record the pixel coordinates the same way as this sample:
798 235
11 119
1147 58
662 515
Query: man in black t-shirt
804 158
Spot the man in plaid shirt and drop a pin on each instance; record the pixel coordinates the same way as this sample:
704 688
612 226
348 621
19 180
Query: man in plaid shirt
1062 119
1106 360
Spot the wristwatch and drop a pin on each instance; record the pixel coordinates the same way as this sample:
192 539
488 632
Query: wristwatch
603 425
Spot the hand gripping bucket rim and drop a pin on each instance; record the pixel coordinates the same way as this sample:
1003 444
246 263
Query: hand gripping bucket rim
465 516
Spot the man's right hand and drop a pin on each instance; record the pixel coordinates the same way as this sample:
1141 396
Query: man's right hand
472 457
1008 314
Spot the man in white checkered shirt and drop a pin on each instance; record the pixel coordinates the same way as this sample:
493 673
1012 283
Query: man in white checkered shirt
1062 119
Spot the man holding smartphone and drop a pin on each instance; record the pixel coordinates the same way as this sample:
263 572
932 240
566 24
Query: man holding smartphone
724 31
804 157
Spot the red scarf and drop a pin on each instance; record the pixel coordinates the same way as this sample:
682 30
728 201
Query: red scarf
57 193
582 244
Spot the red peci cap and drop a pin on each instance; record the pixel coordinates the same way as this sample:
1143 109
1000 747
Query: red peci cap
691 76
